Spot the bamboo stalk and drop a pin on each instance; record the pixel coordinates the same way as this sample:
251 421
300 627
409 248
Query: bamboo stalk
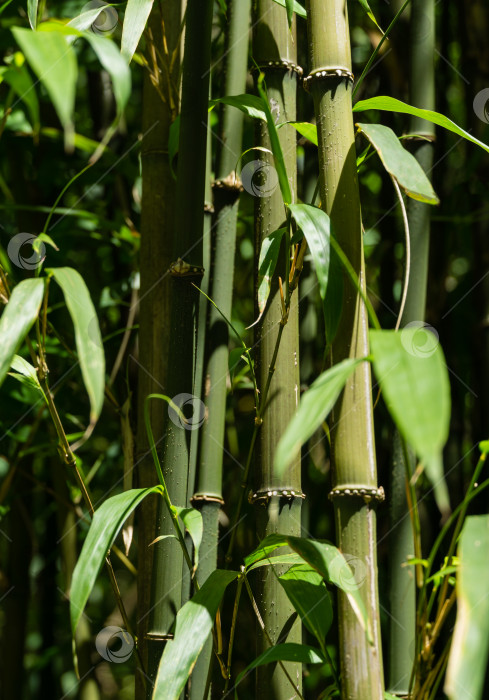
185 269
353 452
277 363
208 496
402 623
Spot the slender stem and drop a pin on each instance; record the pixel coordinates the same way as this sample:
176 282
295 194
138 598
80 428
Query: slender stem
239 588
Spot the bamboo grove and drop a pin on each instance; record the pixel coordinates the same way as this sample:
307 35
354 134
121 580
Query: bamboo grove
243 350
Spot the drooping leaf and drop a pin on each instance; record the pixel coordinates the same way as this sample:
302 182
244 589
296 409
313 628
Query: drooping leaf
314 407
17 318
265 548
275 145
297 7
18 77
32 12
315 225
249 104
86 19
116 67
192 519
289 651
25 373
289 6
401 164
366 7
270 249
193 626
106 524
53 60
467 663
308 131
412 374
390 104
333 307
87 334
306 591
135 18
290 559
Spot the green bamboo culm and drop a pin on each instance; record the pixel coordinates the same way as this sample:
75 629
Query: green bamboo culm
158 196
185 270
353 445
402 598
277 501
226 190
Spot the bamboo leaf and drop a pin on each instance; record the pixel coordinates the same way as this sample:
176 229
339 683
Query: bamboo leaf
25 373
18 316
53 60
308 131
390 104
291 559
87 335
334 306
368 11
86 19
289 6
401 164
412 373
278 155
32 12
270 249
306 591
265 548
296 6
18 77
315 225
135 18
192 519
116 67
314 407
467 663
105 526
193 626
248 104
289 651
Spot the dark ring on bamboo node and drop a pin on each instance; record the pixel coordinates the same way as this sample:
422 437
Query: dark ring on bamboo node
358 490
208 208
206 498
180 268
231 183
281 64
326 74
265 496
159 637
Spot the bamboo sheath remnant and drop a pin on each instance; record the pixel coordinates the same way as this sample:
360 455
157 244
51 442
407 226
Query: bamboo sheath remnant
353 449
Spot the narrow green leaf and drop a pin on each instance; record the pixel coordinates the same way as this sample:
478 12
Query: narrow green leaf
296 6
17 318
401 164
270 249
289 651
368 11
25 373
306 591
265 548
412 374
467 663
120 74
390 104
89 17
333 306
335 568
278 155
53 60
87 334
18 77
289 6
32 12
135 18
290 559
192 628
315 225
308 131
248 104
192 519
106 524
314 407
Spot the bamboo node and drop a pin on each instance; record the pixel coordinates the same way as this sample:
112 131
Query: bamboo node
206 498
231 182
281 64
326 73
180 268
264 497
368 493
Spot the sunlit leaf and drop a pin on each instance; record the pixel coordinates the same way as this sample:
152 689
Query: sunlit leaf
18 77
249 104
135 18
315 225
269 252
296 6
192 519
32 12
87 334
193 626
467 663
309 596
401 164
17 318
366 7
308 131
